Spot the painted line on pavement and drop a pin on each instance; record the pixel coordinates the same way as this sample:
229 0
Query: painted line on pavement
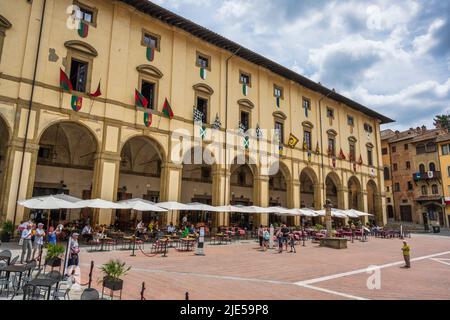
350 273
332 292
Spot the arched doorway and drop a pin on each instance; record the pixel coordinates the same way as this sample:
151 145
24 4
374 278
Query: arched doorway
140 177
65 164
278 195
197 185
334 190
242 183
355 196
374 203
309 194
4 141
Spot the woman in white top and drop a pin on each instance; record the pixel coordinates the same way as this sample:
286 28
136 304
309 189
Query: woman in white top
38 239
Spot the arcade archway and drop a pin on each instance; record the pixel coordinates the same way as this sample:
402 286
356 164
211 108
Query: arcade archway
4 141
355 195
374 204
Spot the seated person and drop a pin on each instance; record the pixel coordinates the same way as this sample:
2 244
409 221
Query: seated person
87 233
171 229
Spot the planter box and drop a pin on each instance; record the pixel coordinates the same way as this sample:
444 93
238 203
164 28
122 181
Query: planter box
113 284
55 262
334 243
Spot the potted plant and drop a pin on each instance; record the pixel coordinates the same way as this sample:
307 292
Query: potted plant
54 254
7 231
114 270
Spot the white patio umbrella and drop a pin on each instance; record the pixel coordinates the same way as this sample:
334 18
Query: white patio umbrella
196 206
99 204
141 205
229 208
307 212
351 214
173 206
359 213
336 213
285 211
47 203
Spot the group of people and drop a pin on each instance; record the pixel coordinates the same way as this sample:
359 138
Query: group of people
32 238
283 235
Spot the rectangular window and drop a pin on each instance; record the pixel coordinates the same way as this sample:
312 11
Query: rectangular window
45 153
394 149
245 78
78 75
421 149
245 120
448 171
384 151
445 149
408 165
278 92
148 91
397 187
395 167
203 61
448 189
330 113
331 147
410 186
388 200
151 40
206 173
86 13
388 189
308 140
306 104
352 151
202 106
368 128
350 121
406 147
370 156
279 127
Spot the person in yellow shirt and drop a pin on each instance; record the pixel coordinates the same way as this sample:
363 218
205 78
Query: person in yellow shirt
406 255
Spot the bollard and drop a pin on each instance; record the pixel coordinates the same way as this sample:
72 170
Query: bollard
134 246
90 274
165 249
40 257
142 291
187 296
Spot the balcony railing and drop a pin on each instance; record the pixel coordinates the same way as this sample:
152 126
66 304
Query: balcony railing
430 175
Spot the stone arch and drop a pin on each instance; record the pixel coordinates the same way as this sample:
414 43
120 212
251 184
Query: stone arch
309 189
280 182
63 121
355 194
4 123
334 190
155 143
374 202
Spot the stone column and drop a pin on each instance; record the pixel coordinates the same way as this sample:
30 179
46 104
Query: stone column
294 197
11 189
171 176
221 194
105 184
328 219
261 196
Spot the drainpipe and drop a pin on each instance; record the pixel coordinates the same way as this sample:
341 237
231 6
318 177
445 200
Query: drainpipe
226 117
30 105
321 146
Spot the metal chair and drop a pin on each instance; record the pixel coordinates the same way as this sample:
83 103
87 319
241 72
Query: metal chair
55 275
14 260
90 294
62 290
32 293
5 257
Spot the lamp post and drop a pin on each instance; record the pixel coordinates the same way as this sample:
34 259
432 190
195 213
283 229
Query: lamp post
328 224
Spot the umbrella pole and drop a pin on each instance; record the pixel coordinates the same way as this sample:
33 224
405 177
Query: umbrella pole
48 219
134 237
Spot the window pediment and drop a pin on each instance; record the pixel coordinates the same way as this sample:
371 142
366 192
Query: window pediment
150 71
352 139
203 88
307 124
246 103
369 145
332 133
279 115
82 47
4 23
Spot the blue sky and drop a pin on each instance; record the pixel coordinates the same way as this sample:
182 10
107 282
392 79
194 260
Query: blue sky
392 56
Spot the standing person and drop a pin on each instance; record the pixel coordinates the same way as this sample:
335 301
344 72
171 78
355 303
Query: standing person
353 228
261 236
26 243
51 235
406 255
266 238
292 243
74 251
279 236
38 239
285 235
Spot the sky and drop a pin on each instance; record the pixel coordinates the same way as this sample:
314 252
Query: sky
391 56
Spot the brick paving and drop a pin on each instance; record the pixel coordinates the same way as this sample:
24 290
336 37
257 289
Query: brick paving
240 271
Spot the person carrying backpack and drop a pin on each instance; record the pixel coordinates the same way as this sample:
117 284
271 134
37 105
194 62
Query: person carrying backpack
266 239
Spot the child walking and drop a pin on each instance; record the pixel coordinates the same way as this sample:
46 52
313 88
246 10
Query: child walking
292 243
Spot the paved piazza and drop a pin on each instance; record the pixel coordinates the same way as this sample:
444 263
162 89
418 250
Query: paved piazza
241 271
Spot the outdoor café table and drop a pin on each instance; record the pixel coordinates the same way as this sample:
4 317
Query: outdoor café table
187 244
44 282
102 242
17 268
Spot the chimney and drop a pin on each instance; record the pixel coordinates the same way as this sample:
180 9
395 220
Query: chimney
424 128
